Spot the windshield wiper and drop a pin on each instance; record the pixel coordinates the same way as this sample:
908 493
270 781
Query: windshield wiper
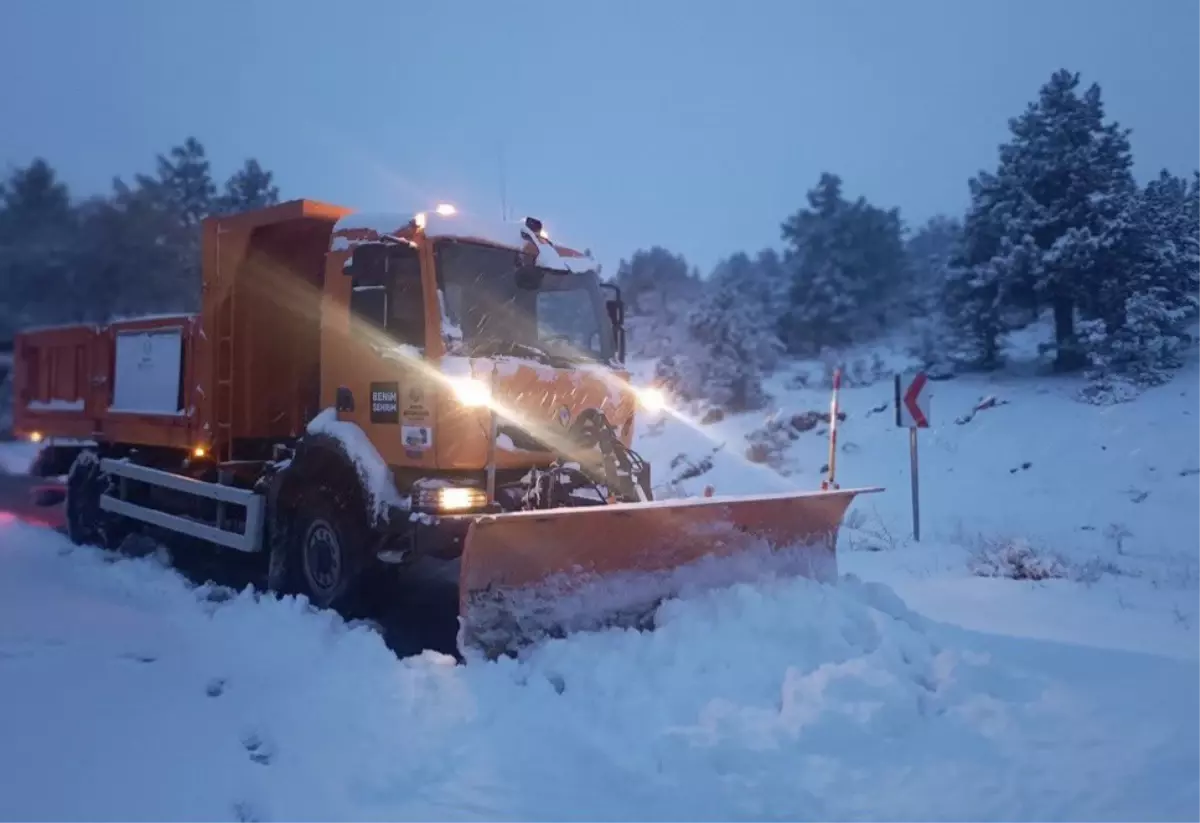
485 347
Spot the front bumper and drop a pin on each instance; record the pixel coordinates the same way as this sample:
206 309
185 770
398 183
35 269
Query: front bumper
409 534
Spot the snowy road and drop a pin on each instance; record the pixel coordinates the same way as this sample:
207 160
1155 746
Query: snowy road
126 693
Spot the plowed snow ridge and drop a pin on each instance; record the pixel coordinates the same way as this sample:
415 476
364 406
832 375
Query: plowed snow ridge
125 693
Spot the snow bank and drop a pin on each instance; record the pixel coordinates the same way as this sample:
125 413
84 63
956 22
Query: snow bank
17 456
578 601
1098 500
786 700
1109 494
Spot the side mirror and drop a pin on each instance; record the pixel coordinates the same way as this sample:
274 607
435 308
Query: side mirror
615 307
613 303
616 312
529 278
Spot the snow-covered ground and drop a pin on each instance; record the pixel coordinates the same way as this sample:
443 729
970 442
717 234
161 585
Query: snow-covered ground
1106 494
16 456
914 689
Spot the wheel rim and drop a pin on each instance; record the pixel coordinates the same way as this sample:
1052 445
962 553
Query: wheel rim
322 558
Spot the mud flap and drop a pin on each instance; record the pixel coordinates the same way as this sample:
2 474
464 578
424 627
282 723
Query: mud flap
528 575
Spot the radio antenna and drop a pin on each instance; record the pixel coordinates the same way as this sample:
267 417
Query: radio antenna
503 183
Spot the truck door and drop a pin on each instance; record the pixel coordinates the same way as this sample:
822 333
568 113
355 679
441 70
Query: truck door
387 335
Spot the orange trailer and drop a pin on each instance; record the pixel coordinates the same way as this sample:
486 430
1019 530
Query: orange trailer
371 392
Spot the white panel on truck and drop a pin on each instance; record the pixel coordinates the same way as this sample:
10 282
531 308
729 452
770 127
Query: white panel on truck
147 371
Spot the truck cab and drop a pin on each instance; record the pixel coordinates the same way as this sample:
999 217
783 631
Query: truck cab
431 323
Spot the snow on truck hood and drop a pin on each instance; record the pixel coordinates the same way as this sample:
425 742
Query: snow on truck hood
509 234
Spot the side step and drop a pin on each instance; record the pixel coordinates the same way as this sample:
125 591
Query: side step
250 540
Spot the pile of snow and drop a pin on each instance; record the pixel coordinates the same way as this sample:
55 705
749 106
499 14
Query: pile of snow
127 694
17 456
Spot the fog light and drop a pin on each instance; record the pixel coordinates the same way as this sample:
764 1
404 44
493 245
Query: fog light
35 437
452 499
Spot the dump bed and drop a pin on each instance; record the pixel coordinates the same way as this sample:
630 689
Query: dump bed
242 373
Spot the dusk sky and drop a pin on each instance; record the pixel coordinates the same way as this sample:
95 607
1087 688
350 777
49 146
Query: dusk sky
693 124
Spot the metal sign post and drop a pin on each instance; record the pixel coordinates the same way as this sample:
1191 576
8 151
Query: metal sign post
830 482
912 412
916 496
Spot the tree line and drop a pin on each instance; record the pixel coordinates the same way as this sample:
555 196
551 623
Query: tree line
132 251
1058 229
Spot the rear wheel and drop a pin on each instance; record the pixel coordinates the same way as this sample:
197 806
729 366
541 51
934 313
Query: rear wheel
87 523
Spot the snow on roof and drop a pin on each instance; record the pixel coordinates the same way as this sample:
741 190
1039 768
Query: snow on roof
100 326
508 234
511 234
382 223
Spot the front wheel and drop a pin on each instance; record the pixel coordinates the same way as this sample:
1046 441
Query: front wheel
327 542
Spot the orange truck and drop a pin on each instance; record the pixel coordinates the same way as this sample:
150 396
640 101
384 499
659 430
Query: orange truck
362 395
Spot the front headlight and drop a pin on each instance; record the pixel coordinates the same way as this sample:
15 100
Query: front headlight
652 399
471 392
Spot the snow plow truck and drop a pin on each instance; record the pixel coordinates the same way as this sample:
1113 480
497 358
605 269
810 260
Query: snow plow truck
360 395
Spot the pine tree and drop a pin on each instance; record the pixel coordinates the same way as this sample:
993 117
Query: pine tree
989 275
250 187
1139 330
846 262
184 182
773 277
132 247
733 326
1046 224
184 190
930 250
37 229
657 283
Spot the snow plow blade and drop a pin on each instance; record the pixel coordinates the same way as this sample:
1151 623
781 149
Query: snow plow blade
529 575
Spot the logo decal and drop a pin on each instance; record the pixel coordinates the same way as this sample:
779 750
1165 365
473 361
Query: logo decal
564 416
385 405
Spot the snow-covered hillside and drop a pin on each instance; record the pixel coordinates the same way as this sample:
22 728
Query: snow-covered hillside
1103 497
914 689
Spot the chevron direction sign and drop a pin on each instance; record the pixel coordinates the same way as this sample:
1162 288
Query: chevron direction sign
912 400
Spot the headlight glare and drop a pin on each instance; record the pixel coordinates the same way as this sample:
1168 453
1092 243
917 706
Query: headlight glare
471 392
652 399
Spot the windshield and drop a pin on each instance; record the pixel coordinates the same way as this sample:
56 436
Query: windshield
562 318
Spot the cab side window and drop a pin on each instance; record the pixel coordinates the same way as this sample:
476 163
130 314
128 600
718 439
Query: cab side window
406 308
386 294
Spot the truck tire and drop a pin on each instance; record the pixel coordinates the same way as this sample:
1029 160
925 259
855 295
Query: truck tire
326 541
87 523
